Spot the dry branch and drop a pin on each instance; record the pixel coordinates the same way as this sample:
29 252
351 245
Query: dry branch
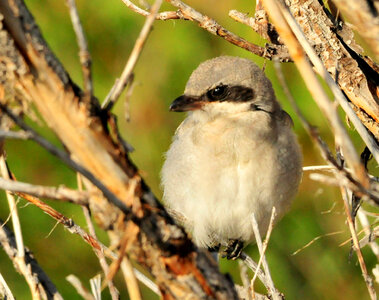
35 274
58 193
363 14
159 245
336 47
185 12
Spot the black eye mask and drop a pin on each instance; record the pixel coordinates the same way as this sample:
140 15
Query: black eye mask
223 92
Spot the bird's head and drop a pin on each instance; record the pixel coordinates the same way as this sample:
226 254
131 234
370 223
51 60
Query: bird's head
227 84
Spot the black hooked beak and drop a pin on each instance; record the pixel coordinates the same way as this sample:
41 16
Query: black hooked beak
186 103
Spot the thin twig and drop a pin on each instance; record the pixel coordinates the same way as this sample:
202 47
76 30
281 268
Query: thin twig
5 292
341 179
321 70
245 279
366 276
313 133
314 86
253 266
259 23
318 168
166 15
100 254
270 51
32 270
128 69
371 235
84 54
315 239
79 287
130 279
20 257
57 193
185 12
262 260
147 282
19 135
95 283
65 157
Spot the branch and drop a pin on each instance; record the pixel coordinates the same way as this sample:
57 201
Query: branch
185 12
315 88
125 77
179 268
33 272
364 17
84 55
57 193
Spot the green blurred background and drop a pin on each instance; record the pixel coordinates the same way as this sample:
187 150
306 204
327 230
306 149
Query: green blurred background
175 48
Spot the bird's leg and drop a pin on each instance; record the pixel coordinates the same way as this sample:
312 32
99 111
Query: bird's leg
233 249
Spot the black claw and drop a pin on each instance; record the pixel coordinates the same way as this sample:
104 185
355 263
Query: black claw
214 248
233 250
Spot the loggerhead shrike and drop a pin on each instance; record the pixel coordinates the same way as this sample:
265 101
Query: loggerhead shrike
234 155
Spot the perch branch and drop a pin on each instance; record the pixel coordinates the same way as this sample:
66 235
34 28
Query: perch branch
262 260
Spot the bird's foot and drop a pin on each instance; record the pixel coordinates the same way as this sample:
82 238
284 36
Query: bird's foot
233 250
214 248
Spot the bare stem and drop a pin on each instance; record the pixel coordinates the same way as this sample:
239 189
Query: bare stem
124 79
84 54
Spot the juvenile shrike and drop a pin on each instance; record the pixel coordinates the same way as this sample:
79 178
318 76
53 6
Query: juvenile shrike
234 155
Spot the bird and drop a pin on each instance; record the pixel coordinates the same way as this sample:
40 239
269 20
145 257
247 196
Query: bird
235 155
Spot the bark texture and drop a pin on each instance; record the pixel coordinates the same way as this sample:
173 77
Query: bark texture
334 43
154 240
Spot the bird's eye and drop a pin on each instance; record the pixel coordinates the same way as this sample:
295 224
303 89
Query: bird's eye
218 93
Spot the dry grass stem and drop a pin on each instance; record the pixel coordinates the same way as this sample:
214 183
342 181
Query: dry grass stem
69 224
100 254
318 168
166 15
84 54
327 106
80 288
40 284
5 292
368 280
124 79
19 259
95 283
315 239
245 279
370 234
262 260
130 279
146 281
340 179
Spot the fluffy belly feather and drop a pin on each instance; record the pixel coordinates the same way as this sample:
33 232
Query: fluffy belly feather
217 189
